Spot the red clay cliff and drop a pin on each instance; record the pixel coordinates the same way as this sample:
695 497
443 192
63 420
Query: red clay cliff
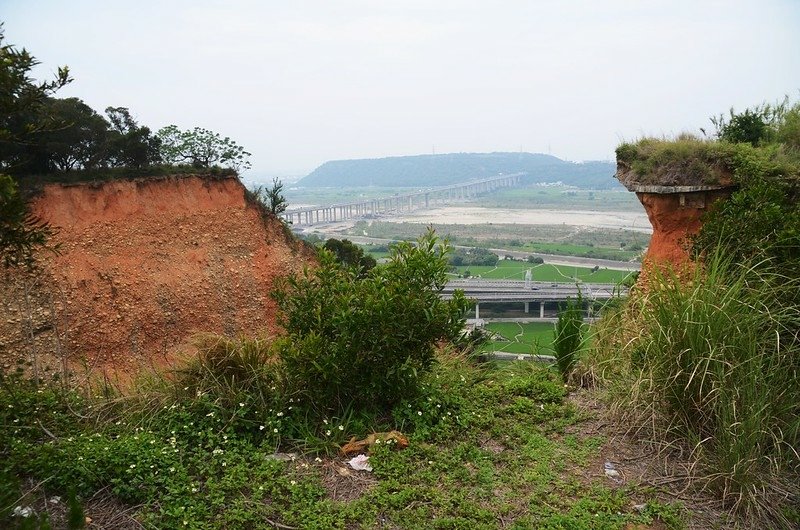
142 266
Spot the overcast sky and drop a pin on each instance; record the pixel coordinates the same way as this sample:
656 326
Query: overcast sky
298 83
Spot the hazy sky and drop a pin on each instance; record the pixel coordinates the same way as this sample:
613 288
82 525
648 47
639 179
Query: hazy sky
301 82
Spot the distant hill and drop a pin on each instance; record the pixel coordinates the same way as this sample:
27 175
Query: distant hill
441 170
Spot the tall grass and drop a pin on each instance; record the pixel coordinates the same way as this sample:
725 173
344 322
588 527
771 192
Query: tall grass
715 366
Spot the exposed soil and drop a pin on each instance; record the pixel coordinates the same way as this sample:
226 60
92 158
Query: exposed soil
675 217
142 266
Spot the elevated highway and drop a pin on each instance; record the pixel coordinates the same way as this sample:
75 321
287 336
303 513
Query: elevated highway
399 203
542 297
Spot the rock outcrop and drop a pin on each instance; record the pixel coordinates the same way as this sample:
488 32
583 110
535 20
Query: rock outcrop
675 211
143 265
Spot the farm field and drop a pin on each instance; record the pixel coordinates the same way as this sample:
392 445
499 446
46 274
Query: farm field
558 239
528 337
515 270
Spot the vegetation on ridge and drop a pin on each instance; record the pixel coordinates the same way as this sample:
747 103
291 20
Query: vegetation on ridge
708 363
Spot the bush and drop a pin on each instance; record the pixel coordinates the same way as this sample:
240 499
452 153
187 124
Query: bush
568 337
365 342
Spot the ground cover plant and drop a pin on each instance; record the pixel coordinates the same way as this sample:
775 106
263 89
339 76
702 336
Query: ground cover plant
488 447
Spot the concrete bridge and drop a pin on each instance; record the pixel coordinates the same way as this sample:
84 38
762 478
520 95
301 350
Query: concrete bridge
399 203
544 298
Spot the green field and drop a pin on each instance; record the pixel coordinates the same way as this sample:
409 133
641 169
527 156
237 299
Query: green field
513 337
601 243
515 270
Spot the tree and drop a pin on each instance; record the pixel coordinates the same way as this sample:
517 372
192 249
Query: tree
20 121
21 100
201 148
275 201
77 138
129 144
350 254
21 233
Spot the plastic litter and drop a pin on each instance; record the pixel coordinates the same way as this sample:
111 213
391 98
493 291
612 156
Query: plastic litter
360 463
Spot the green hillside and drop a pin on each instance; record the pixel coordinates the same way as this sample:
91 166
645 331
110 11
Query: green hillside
442 170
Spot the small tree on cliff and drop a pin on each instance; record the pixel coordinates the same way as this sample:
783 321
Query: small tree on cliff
201 148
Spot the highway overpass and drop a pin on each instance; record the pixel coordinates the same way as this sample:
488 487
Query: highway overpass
538 298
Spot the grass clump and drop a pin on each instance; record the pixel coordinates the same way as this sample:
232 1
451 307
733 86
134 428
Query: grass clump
713 368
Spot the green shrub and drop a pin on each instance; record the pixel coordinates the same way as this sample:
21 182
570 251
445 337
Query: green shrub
568 336
366 341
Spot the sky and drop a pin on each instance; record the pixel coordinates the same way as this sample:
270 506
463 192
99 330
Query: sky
298 83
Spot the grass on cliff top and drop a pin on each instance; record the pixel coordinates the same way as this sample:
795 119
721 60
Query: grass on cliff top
489 447
691 161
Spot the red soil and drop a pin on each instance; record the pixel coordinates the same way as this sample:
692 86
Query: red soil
674 223
146 264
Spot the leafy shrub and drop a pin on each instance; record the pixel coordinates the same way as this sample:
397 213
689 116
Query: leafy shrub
350 254
366 341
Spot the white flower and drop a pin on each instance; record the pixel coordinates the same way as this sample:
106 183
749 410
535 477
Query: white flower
217 451
327 433
280 414
318 459
132 466
341 427
241 404
261 427
419 413
275 431
293 482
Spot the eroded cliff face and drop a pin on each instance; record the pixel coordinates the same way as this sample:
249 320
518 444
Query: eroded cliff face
142 266
675 217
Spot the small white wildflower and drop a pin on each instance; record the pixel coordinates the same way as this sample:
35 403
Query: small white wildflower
275 431
327 433
261 427
341 427
194 490
224 464
419 413
325 422
241 404
293 483
172 470
217 451
132 466
280 414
